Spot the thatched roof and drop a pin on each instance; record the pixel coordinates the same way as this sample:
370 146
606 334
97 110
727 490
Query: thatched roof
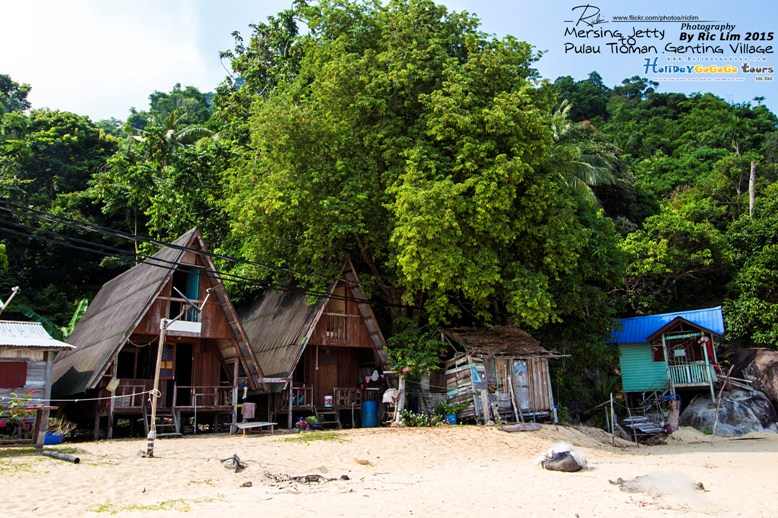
505 341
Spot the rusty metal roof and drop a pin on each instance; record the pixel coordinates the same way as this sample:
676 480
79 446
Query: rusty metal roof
28 334
498 341
277 325
110 319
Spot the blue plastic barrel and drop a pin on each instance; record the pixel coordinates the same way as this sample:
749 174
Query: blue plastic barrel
370 414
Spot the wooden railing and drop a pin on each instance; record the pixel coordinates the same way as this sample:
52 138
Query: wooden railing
301 397
346 397
202 396
336 326
132 393
692 373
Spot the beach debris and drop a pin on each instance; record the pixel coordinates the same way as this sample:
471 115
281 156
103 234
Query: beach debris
61 456
247 484
234 463
655 485
562 457
304 479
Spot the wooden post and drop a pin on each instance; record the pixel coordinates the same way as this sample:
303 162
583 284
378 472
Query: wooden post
291 402
112 401
613 423
718 404
514 400
400 401
709 369
155 391
485 407
667 364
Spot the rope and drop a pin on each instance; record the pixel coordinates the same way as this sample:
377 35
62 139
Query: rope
3 398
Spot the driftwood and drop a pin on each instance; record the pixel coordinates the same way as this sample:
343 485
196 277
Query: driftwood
61 456
520 427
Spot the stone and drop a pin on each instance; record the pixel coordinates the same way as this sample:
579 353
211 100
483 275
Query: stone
759 366
741 412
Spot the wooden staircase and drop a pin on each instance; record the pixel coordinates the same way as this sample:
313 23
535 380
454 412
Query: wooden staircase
329 417
167 424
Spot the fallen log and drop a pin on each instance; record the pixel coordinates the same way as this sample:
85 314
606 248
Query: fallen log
520 427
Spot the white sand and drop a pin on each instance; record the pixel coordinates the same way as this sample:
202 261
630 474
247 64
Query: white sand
448 471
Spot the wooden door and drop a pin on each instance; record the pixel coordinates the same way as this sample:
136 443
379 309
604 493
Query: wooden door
326 376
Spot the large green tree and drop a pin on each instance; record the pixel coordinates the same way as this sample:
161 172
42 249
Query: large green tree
402 135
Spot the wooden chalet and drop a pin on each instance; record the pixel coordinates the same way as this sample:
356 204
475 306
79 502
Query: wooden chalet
26 354
669 352
320 355
503 364
205 353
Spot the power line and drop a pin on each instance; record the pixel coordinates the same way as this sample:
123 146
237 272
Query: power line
169 265
92 227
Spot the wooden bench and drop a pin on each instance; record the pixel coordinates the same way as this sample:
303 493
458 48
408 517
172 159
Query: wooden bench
254 424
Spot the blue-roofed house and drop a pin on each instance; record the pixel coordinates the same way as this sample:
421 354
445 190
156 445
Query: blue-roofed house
670 351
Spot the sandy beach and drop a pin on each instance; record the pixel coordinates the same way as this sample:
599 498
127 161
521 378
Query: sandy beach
445 471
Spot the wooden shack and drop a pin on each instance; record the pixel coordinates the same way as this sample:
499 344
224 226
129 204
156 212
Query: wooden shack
323 355
26 354
504 364
205 353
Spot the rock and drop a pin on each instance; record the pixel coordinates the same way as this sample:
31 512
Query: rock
561 461
759 366
741 412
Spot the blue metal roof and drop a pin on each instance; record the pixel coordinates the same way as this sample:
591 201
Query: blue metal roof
636 330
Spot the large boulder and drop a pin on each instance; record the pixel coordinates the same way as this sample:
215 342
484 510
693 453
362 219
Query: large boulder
760 367
741 412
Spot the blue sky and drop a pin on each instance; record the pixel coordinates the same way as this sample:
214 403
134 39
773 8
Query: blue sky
99 58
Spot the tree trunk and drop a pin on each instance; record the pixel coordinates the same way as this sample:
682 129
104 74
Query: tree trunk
752 189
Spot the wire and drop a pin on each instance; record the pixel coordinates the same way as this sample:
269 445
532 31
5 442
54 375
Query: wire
91 227
172 265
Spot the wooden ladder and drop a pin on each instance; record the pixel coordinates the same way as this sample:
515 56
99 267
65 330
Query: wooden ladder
168 424
329 417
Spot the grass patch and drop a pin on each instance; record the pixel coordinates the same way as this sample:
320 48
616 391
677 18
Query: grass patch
309 437
23 451
178 505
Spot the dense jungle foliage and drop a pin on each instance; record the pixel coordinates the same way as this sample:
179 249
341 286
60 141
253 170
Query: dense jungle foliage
466 188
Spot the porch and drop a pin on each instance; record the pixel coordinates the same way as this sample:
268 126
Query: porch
300 401
132 394
693 374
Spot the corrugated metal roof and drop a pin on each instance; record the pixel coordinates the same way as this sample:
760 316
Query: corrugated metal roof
28 334
276 326
110 318
636 330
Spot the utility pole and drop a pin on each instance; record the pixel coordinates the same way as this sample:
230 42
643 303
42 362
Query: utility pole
163 325
4 305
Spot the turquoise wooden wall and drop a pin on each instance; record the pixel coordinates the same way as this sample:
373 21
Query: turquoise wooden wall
639 371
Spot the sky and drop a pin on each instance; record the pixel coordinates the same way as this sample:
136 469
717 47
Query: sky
102 57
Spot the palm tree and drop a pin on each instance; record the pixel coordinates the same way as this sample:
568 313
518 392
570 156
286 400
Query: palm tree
581 161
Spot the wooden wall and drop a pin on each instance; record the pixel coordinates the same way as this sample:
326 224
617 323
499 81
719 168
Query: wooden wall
38 372
357 334
213 319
